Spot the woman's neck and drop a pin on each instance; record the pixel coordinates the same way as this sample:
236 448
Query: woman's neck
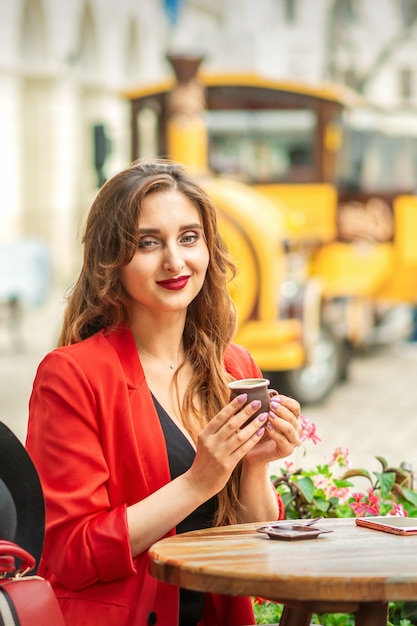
160 343
171 356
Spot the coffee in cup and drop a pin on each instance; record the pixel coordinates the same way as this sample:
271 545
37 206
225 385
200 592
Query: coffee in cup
256 389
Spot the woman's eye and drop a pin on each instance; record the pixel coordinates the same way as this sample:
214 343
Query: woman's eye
147 243
189 238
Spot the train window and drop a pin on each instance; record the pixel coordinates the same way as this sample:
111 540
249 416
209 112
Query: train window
262 146
147 132
375 160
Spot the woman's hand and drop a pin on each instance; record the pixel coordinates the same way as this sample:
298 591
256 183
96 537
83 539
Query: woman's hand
223 442
282 435
221 445
282 431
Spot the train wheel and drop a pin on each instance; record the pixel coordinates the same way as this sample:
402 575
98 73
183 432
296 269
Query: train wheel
312 383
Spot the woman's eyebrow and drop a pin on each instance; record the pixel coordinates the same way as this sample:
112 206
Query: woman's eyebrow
148 231
194 226
152 231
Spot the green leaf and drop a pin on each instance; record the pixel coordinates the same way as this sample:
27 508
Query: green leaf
340 483
383 462
322 504
306 486
401 477
344 510
386 482
357 472
286 498
409 495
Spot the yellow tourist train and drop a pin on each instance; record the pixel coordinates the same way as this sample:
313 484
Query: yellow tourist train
315 194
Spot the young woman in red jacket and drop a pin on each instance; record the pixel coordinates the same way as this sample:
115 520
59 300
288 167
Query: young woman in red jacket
130 424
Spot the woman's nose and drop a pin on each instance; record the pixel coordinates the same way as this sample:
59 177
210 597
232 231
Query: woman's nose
173 260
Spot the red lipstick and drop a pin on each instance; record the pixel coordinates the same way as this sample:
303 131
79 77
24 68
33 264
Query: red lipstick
174 284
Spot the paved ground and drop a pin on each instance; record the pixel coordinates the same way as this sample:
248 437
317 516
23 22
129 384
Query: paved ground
39 331
374 413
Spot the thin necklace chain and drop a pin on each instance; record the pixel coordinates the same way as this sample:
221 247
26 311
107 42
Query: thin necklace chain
141 350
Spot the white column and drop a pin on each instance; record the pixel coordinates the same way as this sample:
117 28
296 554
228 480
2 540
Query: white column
10 158
51 151
64 179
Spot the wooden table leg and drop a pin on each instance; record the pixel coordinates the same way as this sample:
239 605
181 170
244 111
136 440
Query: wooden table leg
295 617
372 614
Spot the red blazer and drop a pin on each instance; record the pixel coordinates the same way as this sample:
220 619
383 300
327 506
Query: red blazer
95 438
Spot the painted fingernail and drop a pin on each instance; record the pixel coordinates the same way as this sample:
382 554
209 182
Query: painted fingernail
272 415
275 403
242 398
262 417
269 426
260 432
256 404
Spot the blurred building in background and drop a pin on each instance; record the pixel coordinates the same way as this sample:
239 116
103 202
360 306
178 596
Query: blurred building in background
64 67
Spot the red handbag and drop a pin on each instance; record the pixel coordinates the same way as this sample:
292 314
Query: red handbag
25 600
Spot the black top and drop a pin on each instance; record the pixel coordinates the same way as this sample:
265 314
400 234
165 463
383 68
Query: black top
180 457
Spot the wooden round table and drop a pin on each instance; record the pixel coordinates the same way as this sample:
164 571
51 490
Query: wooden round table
351 569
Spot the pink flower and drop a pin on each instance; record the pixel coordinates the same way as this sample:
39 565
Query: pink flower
342 493
357 505
372 503
341 458
308 431
398 510
363 505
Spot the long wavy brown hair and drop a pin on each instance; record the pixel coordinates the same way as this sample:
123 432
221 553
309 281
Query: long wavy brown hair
98 300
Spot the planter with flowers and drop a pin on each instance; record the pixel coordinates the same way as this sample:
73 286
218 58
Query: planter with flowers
330 490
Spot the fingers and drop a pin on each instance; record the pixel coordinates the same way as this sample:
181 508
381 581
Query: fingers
284 417
219 453
235 414
247 422
287 408
237 427
221 448
291 404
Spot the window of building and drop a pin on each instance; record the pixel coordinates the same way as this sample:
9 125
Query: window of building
405 83
344 11
349 78
290 11
147 132
132 54
33 39
408 10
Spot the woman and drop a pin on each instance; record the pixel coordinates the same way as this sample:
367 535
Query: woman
130 424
